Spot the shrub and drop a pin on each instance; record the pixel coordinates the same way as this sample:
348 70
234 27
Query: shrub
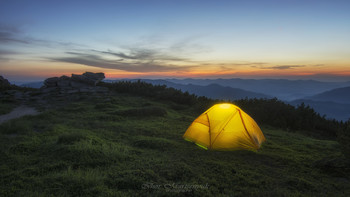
344 139
153 143
70 138
144 112
271 112
15 127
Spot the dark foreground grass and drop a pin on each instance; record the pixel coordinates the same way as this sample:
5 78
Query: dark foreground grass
95 148
6 105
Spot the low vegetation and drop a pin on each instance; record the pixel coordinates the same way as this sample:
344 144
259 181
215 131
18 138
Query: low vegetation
271 112
101 146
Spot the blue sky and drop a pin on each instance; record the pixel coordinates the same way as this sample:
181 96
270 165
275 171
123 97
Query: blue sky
160 39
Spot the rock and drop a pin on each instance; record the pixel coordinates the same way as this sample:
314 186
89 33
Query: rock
80 78
51 82
63 81
72 91
75 84
49 89
85 83
101 89
95 76
4 82
18 95
87 90
64 77
88 78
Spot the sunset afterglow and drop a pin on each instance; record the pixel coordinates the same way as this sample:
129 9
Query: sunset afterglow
176 39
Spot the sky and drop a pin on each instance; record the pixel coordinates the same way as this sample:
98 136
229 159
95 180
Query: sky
288 39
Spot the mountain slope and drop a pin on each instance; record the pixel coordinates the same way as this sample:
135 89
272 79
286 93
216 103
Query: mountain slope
339 95
37 84
332 110
214 91
97 145
281 88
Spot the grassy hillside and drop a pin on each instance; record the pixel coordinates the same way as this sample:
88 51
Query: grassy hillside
124 145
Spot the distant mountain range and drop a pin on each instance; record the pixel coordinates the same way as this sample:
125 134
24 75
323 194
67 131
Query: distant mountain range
327 98
214 91
339 95
36 84
283 89
334 103
331 109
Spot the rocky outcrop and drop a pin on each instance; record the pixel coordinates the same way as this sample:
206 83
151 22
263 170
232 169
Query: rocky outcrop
88 78
4 82
77 83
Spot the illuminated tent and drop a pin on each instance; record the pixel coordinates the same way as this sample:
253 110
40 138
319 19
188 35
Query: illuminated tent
225 127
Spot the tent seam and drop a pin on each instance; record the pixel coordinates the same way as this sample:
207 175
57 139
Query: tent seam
223 128
245 128
209 131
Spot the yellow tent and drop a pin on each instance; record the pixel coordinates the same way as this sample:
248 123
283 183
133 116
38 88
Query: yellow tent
225 127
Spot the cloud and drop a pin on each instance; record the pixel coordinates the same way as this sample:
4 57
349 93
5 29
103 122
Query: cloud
283 67
134 58
188 45
5 53
279 67
9 36
130 66
318 65
143 54
13 35
143 60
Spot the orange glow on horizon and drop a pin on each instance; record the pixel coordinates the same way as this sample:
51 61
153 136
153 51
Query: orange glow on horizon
42 70
187 74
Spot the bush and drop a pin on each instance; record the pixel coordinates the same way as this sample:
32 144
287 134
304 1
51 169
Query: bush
15 127
344 140
144 112
272 112
160 92
153 143
104 106
70 138
278 114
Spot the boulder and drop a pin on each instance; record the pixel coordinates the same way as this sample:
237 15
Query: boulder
4 82
46 89
77 83
96 76
63 81
72 91
87 90
89 78
51 82
101 89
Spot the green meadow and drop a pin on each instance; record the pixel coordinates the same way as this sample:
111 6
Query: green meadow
120 144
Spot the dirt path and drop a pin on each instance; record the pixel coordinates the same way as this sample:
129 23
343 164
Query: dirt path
18 112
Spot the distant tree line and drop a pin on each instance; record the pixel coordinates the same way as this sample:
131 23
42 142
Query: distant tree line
4 87
161 92
281 115
271 112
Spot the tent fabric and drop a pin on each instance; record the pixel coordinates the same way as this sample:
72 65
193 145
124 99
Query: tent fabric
225 127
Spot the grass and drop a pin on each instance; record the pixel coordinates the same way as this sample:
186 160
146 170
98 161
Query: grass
93 147
7 104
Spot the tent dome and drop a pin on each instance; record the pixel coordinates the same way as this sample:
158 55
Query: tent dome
225 127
